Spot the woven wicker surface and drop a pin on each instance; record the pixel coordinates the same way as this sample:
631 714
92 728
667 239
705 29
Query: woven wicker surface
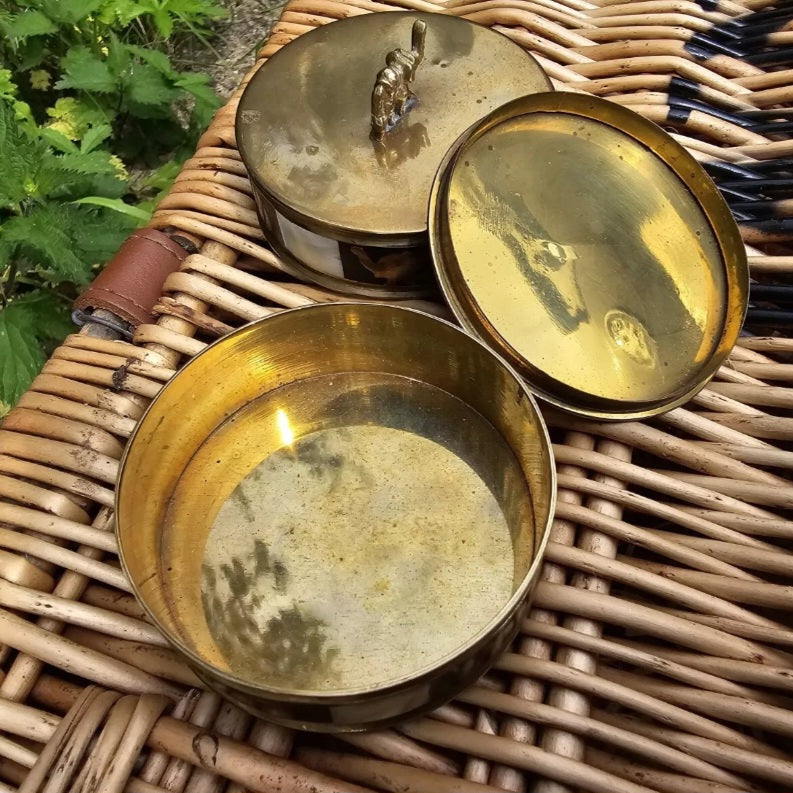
658 655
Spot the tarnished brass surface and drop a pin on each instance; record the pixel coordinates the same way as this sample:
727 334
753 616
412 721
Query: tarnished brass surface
392 98
590 250
304 121
336 514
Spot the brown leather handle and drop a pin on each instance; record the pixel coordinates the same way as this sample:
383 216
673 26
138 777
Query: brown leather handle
131 283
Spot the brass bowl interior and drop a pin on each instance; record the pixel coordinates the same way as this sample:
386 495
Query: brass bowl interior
254 396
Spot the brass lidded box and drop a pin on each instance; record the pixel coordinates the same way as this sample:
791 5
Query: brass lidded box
342 132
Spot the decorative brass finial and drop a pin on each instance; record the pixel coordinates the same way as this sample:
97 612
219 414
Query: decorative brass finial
392 98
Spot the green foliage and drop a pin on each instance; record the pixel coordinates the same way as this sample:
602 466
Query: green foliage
28 23
88 94
51 240
8 92
29 327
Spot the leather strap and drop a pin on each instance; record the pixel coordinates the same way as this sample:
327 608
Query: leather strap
131 283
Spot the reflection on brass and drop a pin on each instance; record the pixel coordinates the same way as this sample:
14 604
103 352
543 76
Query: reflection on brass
631 337
403 143
392 98
508 217
343 522
587 247
290 646
392 267
430 561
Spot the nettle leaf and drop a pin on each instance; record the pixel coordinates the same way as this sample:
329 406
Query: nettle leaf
60 175
29 23
19 156
8 92
121 169
85 72
118 59
162 179
30 325
72 186
98 233
43 235
8 88
94 137
74 117
68 12
159 60
63 243
57 140
21 356
52 317
100 184
94 162
30 53
147 86
206 100
195 11
40 79
162 20
120 12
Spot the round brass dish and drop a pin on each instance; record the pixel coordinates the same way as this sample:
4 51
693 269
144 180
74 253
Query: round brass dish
592 251
336 514
341 193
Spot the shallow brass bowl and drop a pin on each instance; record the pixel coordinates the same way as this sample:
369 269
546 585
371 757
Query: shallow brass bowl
591 251
271 400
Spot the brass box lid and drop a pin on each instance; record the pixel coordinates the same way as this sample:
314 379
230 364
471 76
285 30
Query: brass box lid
305 121
592 251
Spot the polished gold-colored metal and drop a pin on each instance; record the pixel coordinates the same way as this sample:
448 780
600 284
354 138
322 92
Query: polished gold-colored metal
336 514
592 251
392 98
304 122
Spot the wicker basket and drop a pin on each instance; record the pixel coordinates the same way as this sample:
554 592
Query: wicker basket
658 655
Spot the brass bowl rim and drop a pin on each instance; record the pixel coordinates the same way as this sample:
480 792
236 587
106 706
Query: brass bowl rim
685 167
522 591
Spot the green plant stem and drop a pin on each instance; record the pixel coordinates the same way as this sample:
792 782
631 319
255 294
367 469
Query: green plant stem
8 284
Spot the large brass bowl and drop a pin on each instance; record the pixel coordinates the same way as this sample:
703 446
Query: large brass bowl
336 514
